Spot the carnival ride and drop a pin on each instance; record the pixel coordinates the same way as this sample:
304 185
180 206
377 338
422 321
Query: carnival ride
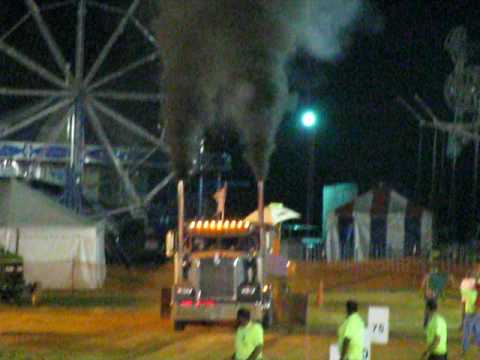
80 92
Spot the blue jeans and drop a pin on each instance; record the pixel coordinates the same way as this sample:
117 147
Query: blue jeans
471 327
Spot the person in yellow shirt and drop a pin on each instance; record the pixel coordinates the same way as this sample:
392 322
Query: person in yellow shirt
470 318
248 338
351 334
436 334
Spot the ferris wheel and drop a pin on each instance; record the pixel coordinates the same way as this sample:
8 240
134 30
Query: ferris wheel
85 73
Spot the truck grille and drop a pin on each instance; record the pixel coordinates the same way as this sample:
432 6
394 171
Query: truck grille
216 280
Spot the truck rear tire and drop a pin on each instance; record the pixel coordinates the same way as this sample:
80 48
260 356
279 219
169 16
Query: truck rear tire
267 320
179 325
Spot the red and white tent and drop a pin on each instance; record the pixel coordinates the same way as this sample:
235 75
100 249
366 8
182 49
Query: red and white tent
378 224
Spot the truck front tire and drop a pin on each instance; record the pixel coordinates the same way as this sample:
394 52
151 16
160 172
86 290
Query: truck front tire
179 325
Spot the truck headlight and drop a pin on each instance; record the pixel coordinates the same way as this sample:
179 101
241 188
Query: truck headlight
9 269
249 292
185 291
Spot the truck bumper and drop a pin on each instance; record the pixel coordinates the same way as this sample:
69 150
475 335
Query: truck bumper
216 313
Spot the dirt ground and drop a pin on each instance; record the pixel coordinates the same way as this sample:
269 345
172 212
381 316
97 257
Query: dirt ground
122 321
54 334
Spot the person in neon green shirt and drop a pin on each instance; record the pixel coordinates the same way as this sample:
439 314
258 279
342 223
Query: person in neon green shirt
248 339
351 334
470 318
436 334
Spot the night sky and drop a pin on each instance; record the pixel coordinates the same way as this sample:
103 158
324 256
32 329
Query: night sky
366 136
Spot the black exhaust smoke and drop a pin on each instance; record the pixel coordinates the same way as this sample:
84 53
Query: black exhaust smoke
237 49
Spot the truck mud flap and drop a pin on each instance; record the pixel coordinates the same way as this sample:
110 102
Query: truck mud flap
165 299
291 309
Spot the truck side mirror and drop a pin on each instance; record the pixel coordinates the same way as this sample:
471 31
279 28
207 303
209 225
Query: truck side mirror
170 244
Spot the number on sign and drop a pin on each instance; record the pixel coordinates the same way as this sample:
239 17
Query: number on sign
378 327
365 354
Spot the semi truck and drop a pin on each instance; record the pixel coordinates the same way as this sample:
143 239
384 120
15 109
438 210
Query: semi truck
219 267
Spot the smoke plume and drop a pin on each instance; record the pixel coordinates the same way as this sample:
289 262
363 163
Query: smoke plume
237 49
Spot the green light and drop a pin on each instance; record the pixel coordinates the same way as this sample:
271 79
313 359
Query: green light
309 118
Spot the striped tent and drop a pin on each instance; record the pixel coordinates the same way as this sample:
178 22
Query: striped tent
378 224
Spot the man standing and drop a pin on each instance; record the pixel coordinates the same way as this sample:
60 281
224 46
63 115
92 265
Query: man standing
248 339
436 334
351 334
470 323
433 286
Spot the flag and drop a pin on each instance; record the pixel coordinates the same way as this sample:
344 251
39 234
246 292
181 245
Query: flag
220 197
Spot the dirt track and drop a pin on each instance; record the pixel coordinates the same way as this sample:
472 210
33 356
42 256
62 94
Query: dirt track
50 334
122 321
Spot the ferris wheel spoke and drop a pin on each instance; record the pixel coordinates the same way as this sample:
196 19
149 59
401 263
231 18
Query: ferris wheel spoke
56 5
31 64
15 27
20 114
80 45
113 39
8 91
102 136
116 10
146 157
47 36
31 119
160 186
126 123
133 96
125 70
53 136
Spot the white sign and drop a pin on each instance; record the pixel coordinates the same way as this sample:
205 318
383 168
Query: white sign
378 324
334 352
367 346
367 349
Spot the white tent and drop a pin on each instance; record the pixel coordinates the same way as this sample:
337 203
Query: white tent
61 249
378 224
274 213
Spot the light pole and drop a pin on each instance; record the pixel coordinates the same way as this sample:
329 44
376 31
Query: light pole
309 119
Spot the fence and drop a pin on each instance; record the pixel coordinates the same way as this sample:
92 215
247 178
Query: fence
405 273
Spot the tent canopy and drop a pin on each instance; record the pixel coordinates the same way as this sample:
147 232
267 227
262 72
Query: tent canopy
60 248
379 223
380 202
274 214
20 205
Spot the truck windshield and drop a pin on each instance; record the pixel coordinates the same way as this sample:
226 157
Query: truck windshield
240 243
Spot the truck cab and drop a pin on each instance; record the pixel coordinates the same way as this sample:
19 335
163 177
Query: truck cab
219 268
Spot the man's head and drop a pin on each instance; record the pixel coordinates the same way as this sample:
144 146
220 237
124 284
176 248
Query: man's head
243 317
352 307
431 305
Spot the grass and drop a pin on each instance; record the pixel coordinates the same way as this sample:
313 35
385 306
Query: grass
122 322
406 311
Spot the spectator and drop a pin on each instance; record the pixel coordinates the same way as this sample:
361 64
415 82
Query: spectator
248 339
436 334
351 334
433 286
470 318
